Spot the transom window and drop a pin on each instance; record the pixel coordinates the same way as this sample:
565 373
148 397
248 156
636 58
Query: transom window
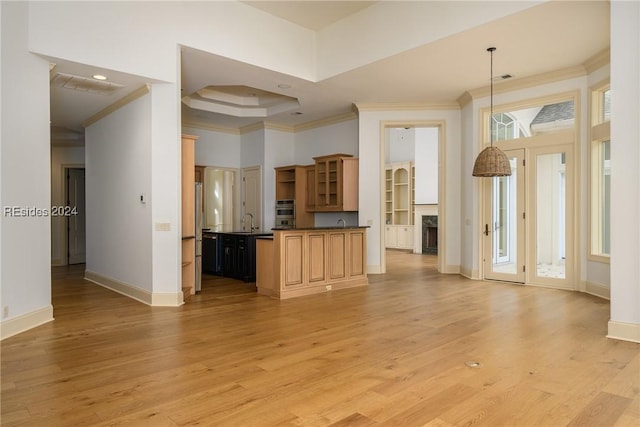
526 122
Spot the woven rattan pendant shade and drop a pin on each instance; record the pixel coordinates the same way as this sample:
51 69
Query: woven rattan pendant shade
492 161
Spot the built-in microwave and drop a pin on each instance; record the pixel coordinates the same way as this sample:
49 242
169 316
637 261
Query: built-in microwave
285 209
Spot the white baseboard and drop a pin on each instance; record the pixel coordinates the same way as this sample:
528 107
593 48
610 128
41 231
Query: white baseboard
466 273
624 331
451 269
598 290
142 295
24 322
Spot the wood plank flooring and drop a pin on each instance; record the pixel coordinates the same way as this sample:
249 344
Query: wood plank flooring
390 354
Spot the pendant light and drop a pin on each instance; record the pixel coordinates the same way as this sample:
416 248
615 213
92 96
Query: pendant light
491 161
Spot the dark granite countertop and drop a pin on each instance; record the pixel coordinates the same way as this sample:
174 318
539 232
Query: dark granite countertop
239 233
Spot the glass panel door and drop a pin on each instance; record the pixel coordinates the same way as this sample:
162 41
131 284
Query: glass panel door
503 228
551 251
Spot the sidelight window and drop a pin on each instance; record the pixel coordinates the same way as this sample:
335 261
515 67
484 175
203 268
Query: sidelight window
600 174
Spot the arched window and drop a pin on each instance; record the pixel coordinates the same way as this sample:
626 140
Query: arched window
504 127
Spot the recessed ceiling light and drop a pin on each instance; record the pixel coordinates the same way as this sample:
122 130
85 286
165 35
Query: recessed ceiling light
99 77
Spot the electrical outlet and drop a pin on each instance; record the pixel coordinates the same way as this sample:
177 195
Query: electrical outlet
328 287
5 312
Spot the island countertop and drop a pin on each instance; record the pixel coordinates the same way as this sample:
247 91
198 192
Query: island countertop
331 227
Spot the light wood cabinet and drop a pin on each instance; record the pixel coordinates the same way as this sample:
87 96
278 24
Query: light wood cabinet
291 184
399 204
304 262
310 197
188 215
336 183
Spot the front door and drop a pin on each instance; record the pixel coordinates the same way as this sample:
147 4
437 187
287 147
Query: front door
504 225
528 219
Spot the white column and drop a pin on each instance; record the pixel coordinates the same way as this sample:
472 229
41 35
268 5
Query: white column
625 177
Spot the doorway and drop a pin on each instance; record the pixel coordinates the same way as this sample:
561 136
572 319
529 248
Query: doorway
252 197
412 202
528 220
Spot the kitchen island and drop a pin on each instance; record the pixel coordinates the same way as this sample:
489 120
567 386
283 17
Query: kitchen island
305 261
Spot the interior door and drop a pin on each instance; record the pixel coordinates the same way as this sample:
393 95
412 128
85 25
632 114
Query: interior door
504 223
252 196
76 219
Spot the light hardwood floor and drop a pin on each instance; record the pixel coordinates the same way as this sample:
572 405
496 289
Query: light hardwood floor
390 354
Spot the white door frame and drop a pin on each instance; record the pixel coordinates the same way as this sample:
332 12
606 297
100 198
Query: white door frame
542 144
442 240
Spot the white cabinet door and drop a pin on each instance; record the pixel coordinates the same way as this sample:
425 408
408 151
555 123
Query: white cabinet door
405 236
391 236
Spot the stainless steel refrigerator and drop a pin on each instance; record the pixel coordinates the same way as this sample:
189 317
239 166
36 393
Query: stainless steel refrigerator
198 222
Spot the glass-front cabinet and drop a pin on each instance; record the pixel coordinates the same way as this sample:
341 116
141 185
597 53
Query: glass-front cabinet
336 183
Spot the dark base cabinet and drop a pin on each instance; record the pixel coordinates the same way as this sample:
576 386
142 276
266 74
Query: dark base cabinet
230 255
211 262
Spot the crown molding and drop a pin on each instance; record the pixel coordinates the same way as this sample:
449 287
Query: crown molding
464 99
345 117
523 83
598 60
138 93
373 106
265 126
210 126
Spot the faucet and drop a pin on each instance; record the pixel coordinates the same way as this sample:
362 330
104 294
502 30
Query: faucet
343 223
250 215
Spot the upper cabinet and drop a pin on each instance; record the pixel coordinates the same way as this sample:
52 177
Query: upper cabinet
291 184
336 183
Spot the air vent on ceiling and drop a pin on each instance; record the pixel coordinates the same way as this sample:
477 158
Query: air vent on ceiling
84 84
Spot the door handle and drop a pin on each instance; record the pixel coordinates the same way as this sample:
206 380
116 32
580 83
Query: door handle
486 229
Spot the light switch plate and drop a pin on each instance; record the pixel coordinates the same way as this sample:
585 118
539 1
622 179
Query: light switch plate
163 226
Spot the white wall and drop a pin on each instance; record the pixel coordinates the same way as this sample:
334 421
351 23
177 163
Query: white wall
166 197
350 42
279 148
216 148
107 27
469 219
426 162
61 157
331 139
25 176
625 174
118 170
401 145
